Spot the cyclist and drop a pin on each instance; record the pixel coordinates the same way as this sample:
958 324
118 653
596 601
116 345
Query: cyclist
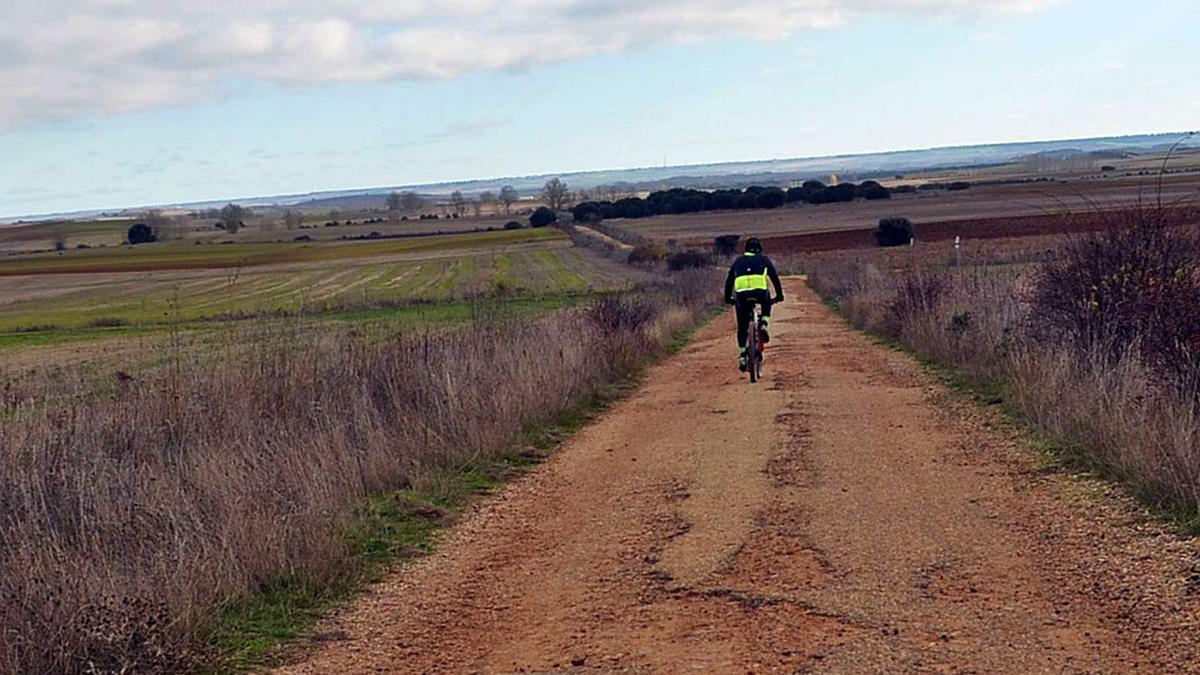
748 281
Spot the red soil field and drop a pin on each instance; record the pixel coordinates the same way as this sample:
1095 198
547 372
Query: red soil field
1002 227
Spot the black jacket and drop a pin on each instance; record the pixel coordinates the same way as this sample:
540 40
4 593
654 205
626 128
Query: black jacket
752 264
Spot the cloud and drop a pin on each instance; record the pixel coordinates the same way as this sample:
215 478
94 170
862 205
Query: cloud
62 59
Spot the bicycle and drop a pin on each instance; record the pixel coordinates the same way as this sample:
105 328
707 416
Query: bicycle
754 343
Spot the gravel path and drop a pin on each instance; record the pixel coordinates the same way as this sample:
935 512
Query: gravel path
846 516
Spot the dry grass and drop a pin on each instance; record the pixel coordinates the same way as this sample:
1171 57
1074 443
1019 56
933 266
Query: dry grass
1116 417
126 520
1110 411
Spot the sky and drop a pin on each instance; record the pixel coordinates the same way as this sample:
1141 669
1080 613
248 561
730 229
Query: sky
118 103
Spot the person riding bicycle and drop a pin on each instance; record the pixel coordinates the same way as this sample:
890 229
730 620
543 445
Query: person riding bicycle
746 284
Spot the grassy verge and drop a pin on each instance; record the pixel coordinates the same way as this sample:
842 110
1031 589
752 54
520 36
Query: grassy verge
269 626
1050 452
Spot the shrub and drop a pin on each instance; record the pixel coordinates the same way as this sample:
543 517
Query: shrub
232 216
811 186
630 207
870 189
140 233
918 297
720 200
513 225
958 185
770 198
745 200
647 253
1134 284
820 197
726 244
685 260
542 217
842 192
894 232
586 212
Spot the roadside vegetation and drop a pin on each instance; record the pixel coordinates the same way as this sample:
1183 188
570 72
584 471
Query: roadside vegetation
131 521
1097 343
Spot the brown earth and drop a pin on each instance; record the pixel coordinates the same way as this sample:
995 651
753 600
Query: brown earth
1001 227
982 201
846 515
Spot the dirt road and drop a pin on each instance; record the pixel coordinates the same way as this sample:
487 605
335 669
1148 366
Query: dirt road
844 516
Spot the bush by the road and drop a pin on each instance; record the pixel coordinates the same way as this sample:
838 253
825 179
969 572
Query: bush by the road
648 253
894 232
513 225
726 244
685 260
1133 285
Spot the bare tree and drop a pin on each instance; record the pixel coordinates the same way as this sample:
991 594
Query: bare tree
508 195
488 200
556 194
394 203
158 223
458 202
477 207
411 201
292 219
232 216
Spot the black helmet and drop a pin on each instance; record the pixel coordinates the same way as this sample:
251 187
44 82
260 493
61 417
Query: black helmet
753 245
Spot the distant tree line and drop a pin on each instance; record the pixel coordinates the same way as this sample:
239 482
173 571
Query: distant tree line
684 200
952 186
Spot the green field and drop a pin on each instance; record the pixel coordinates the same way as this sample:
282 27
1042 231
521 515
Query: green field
89 295
180 256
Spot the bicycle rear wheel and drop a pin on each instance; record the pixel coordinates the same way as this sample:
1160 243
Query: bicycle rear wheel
753 349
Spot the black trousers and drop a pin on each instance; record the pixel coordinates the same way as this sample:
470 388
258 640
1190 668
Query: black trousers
745 311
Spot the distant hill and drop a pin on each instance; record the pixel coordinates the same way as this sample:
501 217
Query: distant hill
735 173
728 173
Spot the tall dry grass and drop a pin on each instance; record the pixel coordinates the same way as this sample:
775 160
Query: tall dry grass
1109 400
126 519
